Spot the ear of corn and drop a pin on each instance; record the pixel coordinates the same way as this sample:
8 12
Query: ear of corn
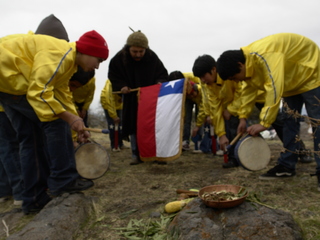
176 206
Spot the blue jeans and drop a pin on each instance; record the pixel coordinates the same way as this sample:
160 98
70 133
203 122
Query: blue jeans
46 150
111 128
291 127
10 170
134 146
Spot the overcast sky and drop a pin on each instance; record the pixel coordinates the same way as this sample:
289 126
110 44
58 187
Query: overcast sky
178 30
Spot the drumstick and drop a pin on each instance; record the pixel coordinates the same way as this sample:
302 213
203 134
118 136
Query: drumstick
235 139
244 135
131 90
105 131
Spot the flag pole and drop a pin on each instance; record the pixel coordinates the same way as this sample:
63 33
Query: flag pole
131 90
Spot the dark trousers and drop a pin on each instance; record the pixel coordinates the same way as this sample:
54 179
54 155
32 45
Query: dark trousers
46 150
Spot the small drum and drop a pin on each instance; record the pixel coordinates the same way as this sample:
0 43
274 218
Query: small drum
92 160
252 153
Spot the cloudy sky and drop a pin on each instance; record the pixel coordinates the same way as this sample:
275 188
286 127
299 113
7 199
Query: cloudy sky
178 30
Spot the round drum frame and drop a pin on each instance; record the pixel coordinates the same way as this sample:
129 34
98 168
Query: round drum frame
92 160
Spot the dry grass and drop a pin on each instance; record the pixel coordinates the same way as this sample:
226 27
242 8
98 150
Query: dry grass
134 192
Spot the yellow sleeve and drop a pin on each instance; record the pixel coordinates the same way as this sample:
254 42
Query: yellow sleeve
273 78
205 100
107 100
217 118
235 104
248 99
48 91
201 118
216 109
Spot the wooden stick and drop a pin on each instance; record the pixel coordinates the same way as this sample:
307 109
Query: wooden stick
235 139
185 191
105 131
131 90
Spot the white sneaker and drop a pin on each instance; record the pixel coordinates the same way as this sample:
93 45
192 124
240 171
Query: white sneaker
196 151
17 202
185 146
219 152
116 149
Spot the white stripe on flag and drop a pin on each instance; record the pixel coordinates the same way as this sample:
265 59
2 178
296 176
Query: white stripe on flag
167 126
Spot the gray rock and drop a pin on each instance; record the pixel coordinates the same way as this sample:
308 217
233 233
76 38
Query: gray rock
59 220
249 221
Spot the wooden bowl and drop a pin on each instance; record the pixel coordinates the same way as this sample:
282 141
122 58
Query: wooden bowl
222 204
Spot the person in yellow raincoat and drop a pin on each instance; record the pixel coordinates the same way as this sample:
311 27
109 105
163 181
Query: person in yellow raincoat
221 102
34 91
112 106
11 180
284 65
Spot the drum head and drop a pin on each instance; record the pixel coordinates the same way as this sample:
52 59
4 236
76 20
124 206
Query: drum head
92 160
253 153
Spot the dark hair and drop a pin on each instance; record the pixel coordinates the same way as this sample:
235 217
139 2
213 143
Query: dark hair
81 76
175 75
202 65
228 63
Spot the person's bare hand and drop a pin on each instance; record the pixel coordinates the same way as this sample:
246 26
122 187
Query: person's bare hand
255 129
194 131
83 136
116 120
242 127
223 142
125 90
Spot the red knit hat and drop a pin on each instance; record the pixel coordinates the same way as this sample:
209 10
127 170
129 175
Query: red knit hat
93 44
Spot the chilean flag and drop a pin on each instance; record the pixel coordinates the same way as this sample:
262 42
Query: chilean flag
160 120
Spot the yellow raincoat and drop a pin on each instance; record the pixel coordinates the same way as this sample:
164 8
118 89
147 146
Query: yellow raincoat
39 67
8 38
84 95
109 101
282 65
219 96
198 99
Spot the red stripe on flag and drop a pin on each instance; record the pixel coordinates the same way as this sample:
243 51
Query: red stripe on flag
147 106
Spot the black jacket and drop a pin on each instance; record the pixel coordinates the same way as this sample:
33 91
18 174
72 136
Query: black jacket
125 71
